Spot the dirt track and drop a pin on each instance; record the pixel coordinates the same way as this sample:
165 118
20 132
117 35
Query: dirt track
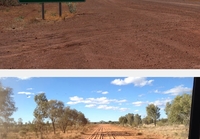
105 131
105 34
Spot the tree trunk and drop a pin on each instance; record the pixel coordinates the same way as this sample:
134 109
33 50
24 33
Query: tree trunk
155 122
54 130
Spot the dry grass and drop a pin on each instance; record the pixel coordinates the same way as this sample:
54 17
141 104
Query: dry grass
174 131
18 20
73 133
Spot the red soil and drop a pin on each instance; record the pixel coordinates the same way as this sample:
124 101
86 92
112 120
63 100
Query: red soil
104 34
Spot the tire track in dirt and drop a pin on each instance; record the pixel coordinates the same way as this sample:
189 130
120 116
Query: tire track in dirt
114 132
97 134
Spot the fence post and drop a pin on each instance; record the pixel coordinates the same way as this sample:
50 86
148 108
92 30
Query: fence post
60 9
43 11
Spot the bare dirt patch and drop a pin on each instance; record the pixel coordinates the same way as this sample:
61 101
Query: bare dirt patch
103 34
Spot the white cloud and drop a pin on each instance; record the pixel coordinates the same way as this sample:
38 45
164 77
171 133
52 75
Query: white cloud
76 98
40 92
28 96
177 90
161 103
119 90
105 107
136 110
72 103
25 93
29 89
156 91
123 109
100 101
139 103
24 78
140 95
90 105
137 81
119 101
105 92
102 92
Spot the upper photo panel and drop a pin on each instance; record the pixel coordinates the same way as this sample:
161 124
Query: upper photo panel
99 34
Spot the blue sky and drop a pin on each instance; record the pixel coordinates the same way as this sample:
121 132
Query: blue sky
98 98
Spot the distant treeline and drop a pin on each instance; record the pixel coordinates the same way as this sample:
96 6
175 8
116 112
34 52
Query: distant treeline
177 111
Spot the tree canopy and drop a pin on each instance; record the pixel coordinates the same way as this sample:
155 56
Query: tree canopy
178 111
153 112
7 104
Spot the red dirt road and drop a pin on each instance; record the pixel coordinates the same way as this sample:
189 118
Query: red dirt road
105 131
104 34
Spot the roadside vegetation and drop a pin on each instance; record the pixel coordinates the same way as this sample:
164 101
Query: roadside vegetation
10 4
52 119
176 125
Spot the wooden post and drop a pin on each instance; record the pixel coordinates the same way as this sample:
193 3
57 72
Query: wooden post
60 9
43 11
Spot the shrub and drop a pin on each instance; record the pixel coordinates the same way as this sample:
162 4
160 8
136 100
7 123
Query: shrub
22 133
9 2
72 7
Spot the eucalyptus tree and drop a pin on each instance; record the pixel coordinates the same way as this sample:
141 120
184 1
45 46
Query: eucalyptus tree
130 118
81 120
123 120
178 111
55 109
7 105
153 112
137 119
40 112
65 119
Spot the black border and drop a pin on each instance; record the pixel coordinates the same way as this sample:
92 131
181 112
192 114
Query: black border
195 110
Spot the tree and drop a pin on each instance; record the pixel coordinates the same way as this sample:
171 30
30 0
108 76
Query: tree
7 105
74 116
81 119
40 111
167 108
65 119
137 120
123 120
130 118
153 112
147 120
179 110
55 109
20 122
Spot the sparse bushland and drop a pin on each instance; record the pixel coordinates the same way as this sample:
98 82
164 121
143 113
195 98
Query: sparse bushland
52 119
175 126
61 117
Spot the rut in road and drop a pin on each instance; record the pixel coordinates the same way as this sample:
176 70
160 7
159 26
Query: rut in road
97 134
104 133
112 135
